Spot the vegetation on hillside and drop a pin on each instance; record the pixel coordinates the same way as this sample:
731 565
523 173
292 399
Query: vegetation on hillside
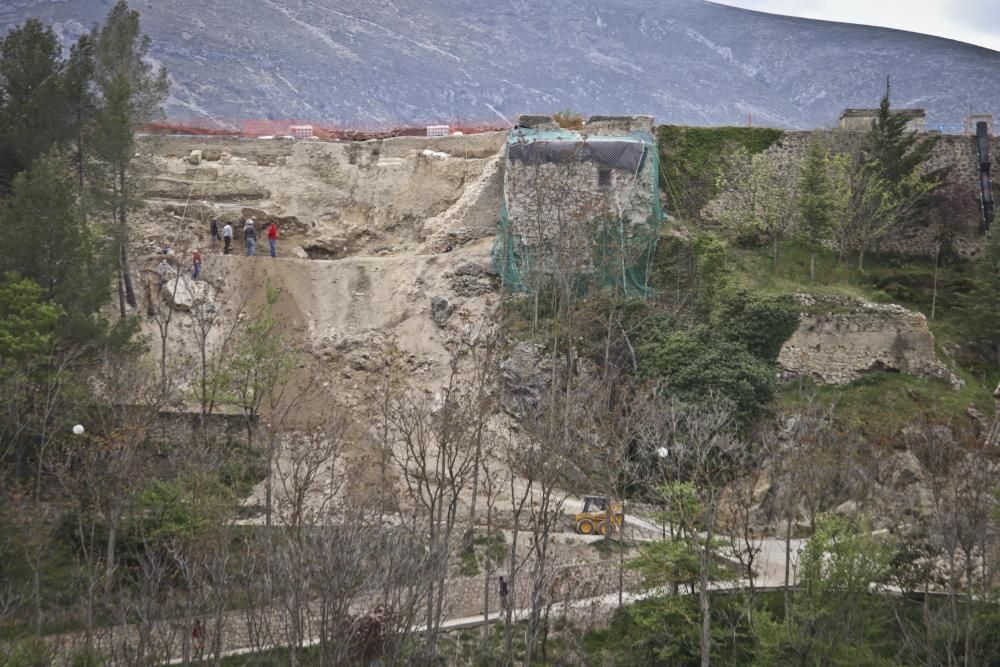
126 476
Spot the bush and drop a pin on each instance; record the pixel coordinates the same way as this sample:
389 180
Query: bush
699 366
30 653
760 322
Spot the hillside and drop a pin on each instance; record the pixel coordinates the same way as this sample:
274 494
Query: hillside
685 61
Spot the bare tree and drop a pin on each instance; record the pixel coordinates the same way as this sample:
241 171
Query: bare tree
435 455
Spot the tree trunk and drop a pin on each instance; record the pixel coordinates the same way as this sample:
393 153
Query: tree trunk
127 277
812 266
109 563
703 600
36 597
121 297
774 254
937 254
788 559
861 260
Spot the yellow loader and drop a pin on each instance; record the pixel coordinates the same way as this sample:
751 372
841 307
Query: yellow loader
600 516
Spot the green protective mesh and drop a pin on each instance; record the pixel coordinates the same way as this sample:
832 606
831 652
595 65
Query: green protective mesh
620 251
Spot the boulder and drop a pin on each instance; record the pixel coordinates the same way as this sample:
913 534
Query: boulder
184 292
194 157
211 154
441 310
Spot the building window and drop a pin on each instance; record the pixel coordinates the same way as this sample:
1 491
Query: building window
604 178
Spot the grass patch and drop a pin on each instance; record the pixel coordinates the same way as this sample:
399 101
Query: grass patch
888 400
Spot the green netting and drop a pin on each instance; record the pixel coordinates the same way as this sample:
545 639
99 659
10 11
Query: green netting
618 250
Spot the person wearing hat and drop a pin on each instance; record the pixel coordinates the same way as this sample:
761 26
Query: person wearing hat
250 237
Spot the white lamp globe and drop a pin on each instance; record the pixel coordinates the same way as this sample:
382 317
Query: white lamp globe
78 429
663 452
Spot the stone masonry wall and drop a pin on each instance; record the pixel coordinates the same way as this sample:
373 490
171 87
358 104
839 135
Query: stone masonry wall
182 428
957 152
559 207
841 338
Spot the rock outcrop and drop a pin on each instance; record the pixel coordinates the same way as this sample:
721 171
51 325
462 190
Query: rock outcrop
839 339
526 373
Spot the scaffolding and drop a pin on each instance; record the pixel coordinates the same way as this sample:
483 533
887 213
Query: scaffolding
580 204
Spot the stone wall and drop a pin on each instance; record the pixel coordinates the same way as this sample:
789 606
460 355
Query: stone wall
954 152
184 428
839 339
560 208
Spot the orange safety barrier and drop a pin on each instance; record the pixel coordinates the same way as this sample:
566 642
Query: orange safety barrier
252 128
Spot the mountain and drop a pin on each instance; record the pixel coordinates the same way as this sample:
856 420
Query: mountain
383 61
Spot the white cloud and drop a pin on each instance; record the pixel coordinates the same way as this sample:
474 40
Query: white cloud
973 21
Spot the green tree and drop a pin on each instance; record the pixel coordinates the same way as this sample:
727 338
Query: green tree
129 94
27 322
26 319
883 185
896 151
257 378
815 214
835 618
698 365
755 199
81 104
43 235
31 96
982 304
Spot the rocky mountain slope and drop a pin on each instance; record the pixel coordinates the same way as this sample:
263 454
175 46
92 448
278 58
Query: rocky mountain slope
686 61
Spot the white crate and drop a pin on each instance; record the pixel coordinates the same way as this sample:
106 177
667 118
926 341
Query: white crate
438 130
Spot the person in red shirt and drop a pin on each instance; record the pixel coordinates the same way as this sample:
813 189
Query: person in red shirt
272 239
196 261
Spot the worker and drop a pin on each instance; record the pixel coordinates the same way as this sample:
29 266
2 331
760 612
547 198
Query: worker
227 238
272 238
196 263
213 230
250 237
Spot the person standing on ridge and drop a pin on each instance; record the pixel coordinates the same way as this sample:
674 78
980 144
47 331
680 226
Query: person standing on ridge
227 238
250 237
213 230
196 262
272 238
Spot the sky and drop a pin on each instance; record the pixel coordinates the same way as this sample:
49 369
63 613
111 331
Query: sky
973 21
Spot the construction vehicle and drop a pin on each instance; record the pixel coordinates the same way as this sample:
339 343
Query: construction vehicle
599 516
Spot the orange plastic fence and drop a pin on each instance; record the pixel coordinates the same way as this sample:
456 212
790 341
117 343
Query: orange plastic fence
261 128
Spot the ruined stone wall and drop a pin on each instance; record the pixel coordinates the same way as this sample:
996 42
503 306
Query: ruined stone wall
839 339
184 428
955 152
562 210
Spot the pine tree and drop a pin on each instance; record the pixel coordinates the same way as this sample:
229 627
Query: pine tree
815 214
895 150
32 105
983 301
44 236
130 93
81 105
